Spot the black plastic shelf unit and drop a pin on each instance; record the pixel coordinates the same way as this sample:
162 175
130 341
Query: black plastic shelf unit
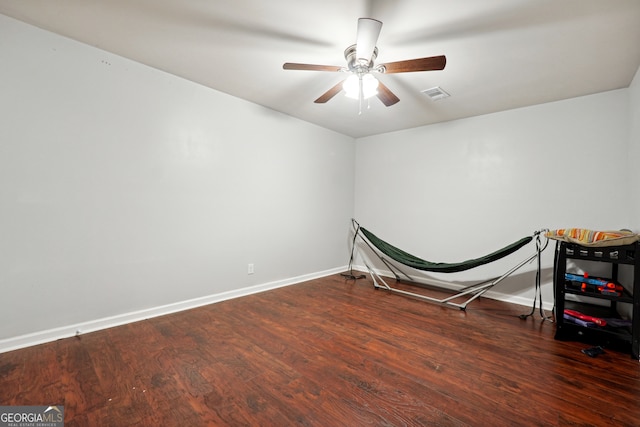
613 334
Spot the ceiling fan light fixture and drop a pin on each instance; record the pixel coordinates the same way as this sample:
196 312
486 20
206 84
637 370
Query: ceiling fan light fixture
351 86
360 58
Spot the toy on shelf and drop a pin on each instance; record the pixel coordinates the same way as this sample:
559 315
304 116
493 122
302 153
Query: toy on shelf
576 315
594 284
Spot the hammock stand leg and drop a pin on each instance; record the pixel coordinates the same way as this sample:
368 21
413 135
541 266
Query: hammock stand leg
473 291
380 283
478 288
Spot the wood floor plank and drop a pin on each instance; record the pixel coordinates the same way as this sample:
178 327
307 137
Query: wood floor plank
327 352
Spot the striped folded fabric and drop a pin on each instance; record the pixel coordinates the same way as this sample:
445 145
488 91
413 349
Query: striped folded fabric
585 237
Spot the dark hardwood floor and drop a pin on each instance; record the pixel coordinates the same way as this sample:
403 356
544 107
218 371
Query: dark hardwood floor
329 352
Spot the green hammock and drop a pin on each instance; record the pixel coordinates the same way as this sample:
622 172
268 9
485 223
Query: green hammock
412 261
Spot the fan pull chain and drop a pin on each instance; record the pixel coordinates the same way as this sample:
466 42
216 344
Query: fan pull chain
360 94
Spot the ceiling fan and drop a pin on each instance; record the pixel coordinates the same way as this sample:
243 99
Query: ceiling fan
360 57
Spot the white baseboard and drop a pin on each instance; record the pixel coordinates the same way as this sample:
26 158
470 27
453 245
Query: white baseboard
41 337
515 299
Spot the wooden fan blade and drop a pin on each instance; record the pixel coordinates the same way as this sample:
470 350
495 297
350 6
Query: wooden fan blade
310 67
329 94
387 97
431 63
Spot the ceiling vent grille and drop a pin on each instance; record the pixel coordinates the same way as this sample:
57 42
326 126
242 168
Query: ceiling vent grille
436 93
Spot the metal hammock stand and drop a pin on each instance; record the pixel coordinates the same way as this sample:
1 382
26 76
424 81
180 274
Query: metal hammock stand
387 252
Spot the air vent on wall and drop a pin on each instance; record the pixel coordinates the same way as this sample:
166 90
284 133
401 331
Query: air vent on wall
436 93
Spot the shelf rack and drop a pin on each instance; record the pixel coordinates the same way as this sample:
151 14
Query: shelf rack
608 306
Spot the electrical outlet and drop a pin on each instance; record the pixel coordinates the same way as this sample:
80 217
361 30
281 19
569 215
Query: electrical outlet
250 269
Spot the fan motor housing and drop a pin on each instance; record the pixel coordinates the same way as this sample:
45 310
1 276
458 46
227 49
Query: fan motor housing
352 63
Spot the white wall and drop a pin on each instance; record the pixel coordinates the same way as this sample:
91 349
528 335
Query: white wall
486 181
124 189
634 150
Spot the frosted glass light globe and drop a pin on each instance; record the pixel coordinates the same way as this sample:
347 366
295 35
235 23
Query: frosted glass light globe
351 86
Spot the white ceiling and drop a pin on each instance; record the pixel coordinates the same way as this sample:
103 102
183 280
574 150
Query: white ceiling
501 54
